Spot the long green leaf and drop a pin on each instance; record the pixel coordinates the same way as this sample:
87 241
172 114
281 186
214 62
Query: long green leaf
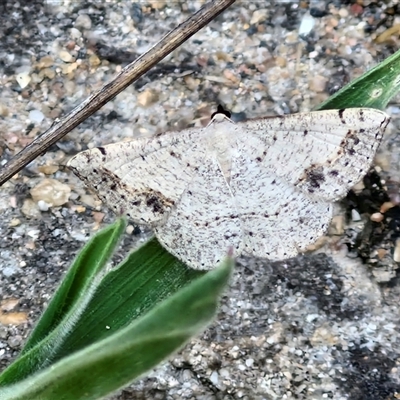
113 362
66 307
78 279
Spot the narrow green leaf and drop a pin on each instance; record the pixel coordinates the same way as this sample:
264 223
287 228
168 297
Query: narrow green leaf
373 89
66 307
79 277
114 362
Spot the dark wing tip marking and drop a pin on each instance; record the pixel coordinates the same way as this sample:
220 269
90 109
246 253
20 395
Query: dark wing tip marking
341 111
102 150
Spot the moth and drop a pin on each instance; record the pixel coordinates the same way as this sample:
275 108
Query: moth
261 187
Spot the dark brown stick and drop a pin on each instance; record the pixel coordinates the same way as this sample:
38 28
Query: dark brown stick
128 75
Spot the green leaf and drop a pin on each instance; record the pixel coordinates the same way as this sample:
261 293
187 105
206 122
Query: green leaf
66 306
373 89
78 279
145 278
115 361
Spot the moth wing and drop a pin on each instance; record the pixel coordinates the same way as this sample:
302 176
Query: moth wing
322 153
205 223
142 178
278 221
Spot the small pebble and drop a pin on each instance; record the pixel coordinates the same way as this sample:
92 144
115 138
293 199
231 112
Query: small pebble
51 191
396 252
65 56
14 341
23 79
318 83
36 116
147 98
377 217
45 62
259 16
30 209
75 33
43 206
83 21
214 378
355 215
306 25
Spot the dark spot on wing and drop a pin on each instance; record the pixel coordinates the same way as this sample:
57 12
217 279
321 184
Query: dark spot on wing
341 111
157 201
102 150
305 132
333 172
226 237
315 177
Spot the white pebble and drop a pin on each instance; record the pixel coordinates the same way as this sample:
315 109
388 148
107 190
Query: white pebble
355 215
43 206
23 79
396 253
306 25
36 116
249 362
214 378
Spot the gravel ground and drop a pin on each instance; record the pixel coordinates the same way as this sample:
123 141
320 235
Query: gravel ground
320 326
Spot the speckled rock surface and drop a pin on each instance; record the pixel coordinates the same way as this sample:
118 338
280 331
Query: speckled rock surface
321 326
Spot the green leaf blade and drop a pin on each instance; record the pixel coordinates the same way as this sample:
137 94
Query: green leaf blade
113 362
66 307
374 89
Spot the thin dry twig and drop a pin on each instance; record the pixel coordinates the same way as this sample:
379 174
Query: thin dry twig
128 75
